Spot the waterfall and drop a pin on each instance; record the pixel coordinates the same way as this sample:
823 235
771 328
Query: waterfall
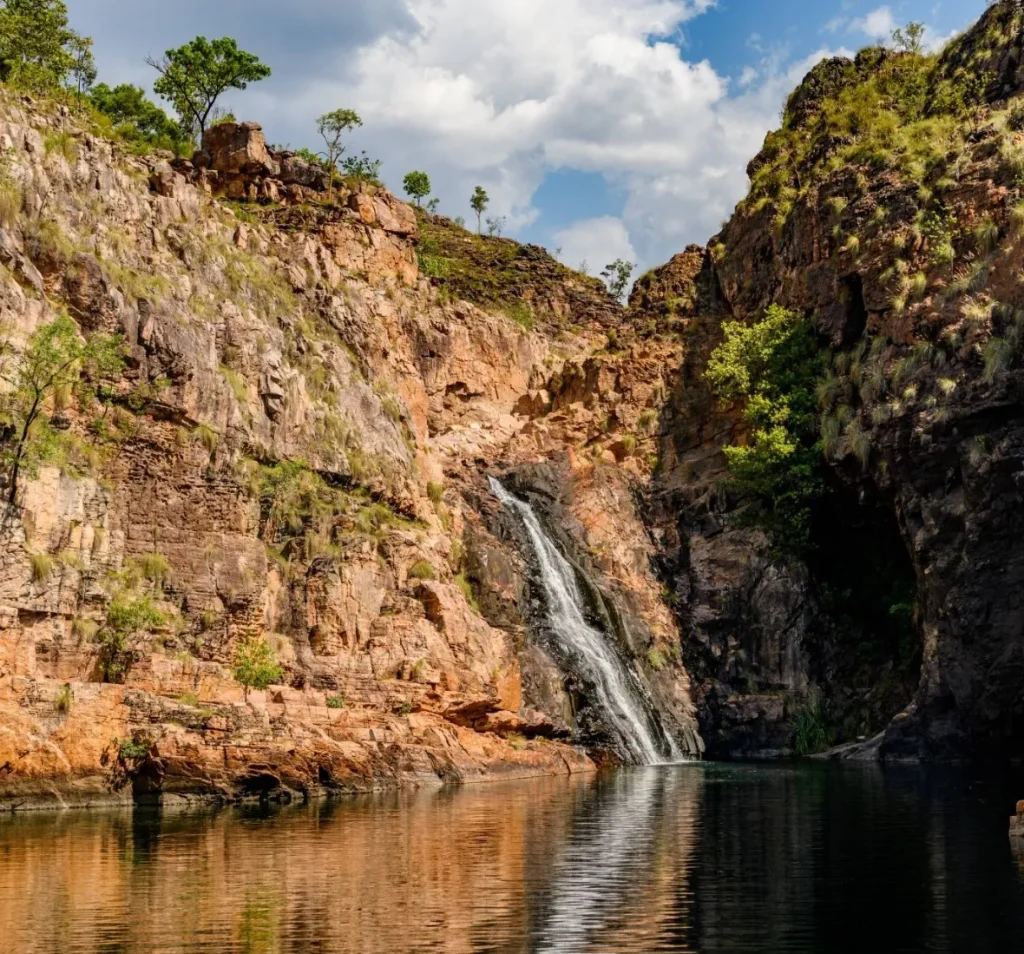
618 692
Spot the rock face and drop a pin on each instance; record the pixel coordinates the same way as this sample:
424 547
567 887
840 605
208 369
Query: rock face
295 452
921 309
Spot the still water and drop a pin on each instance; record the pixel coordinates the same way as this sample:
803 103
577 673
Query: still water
816 859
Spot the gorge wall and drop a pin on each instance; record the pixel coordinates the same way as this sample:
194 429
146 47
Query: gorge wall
316 392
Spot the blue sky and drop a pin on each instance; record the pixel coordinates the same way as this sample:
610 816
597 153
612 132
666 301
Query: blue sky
603 128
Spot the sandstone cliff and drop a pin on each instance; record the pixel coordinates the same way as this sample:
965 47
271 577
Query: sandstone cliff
296 450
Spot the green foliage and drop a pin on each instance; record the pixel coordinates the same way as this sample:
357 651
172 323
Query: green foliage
38 49
62 143
909 39
617 276
135 118
65 699
332 127
12 198
335 702
154 568
520 313
254 665
656 659
892 115
41 565
467 591
422 570
206 436
131 750
478 202
56 361
774 366
362 168
128 614
434 266
194 76
435 491
417 186
811 731
302 515
987 234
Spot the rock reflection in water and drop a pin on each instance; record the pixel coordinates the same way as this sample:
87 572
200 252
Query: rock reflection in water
715 859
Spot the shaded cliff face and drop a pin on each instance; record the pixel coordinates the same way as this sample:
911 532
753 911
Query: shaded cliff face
887 209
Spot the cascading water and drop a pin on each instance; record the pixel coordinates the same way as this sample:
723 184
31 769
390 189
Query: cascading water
620 699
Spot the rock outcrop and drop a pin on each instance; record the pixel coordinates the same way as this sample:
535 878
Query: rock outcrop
295 452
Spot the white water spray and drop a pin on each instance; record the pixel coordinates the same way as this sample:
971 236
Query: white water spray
611 681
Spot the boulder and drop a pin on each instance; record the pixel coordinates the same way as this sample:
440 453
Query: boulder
238 149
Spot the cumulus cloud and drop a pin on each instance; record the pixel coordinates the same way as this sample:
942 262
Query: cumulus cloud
878 26
475 93
595 243
500 94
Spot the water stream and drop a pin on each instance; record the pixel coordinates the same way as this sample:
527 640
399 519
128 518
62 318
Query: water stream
618 692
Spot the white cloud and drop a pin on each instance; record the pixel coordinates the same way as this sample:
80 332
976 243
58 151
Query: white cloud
877 25
476 93
595 242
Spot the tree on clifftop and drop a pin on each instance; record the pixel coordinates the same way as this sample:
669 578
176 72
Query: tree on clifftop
135 117
38 49
417 185
909 39
478 203
194 76
617 276
332 126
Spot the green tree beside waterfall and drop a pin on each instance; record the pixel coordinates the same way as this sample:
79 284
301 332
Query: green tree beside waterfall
773 366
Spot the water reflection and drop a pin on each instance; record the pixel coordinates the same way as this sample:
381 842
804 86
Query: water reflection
692 858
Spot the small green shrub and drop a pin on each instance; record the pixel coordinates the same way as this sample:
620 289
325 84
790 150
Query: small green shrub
63 144
434 266
811 731
422 570
335 702
858 442
647 420
206 436
987 235
42 566
467 591
1015 118
85 628
127 615
188 699
131 750
65 699
435 492
11 200
521 314
237 384
154 568
254 666
656 659
998 358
